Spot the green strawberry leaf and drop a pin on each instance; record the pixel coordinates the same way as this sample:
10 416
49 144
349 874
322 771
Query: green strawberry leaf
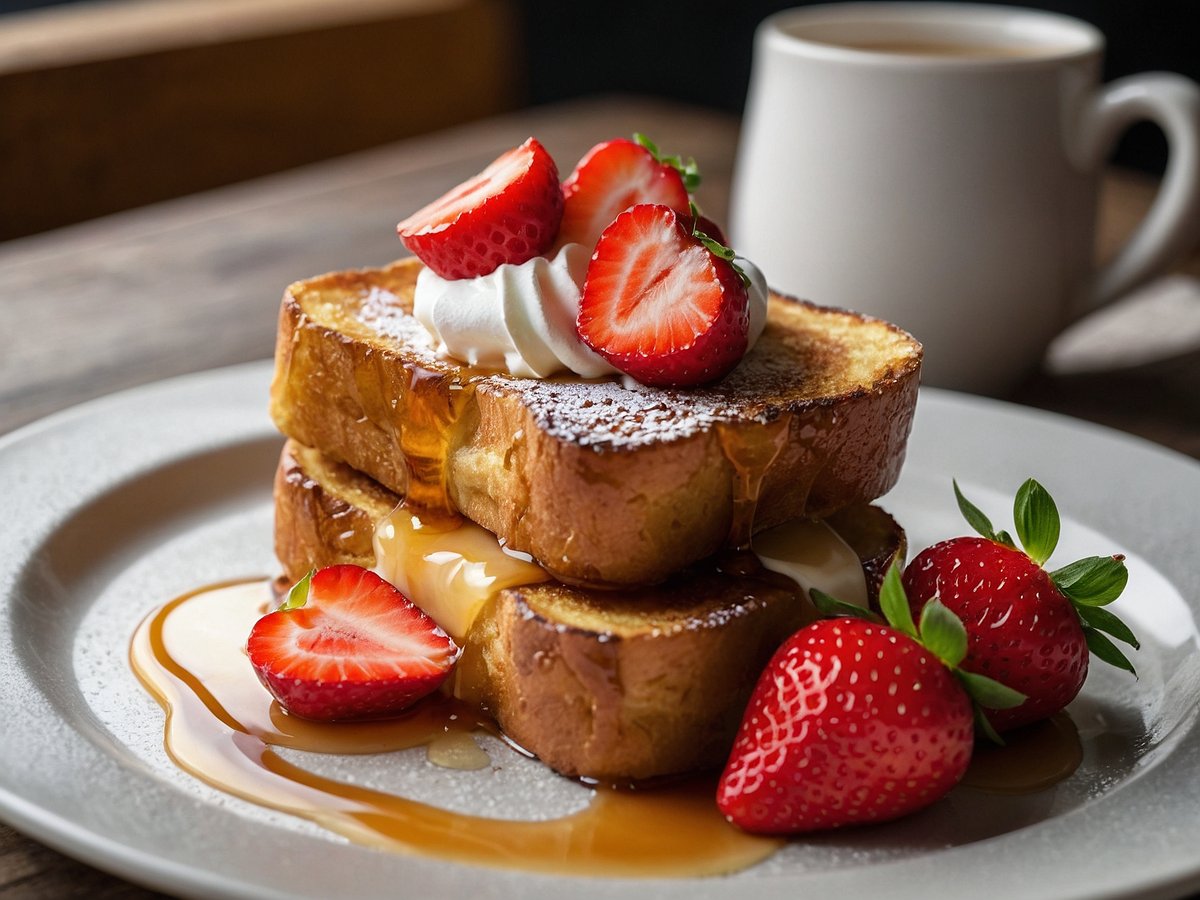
831 607
989 692
688 171
642 141
298 595
1093 581
1107 651
715 247
985 727
975 517
894 603
942 633
1103 620
1037 521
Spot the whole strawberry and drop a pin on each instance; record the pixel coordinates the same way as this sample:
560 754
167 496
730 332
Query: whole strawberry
1026 627
854 721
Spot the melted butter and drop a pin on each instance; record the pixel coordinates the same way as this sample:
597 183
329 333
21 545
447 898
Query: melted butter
221 725
450 570
814 556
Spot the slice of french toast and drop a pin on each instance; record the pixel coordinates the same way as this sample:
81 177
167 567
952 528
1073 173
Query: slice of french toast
615 685
602 484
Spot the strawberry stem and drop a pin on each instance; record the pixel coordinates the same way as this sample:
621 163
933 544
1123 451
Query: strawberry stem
989 692
941 632
894 603
1103 620
1092 581
985 727
688 171
831 607
975 517
1106 650
715 247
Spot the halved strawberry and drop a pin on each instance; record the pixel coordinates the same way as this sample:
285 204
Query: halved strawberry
509 213
660 304
616 175
348 645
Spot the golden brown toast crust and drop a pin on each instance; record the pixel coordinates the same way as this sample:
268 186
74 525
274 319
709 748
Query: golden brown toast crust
325 512
615 685
660 697
603 485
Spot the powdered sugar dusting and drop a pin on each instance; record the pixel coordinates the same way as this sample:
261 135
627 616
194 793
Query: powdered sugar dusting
607 413
380 312
806 357
783 372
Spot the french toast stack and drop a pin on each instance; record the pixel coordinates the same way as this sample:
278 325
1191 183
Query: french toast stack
635 653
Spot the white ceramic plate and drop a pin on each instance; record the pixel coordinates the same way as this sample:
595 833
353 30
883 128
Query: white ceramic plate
113 508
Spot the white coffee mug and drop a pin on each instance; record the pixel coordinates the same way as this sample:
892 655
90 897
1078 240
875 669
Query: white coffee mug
938 165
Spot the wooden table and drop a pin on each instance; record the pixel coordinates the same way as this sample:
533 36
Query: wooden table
193 284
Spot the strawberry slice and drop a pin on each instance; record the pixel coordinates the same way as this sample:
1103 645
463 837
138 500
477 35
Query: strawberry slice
614 176
509 213
660 304
348 645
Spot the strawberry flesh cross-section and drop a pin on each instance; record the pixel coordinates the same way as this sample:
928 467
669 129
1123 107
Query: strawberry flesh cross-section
354 647
659 305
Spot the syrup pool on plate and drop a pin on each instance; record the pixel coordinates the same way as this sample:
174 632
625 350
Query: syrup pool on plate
222 726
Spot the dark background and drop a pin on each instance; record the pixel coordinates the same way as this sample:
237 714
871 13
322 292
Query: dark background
700 51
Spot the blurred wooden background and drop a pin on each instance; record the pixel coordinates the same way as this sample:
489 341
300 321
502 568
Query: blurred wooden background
111 104
119 103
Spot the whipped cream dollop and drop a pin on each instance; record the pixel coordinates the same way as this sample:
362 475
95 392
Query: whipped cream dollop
521 318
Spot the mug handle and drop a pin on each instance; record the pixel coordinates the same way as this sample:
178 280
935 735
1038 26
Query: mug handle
1173 222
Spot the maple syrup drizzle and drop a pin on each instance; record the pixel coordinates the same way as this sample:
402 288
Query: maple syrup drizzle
221 725
750 451
433 405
